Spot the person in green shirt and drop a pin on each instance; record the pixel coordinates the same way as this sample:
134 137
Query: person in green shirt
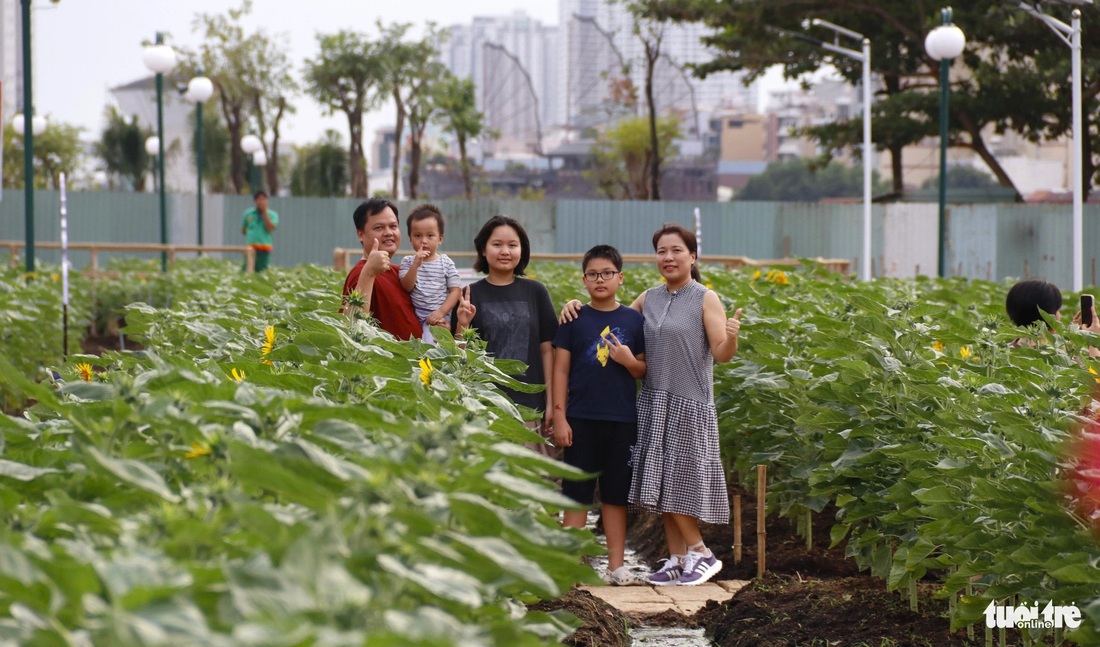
257 224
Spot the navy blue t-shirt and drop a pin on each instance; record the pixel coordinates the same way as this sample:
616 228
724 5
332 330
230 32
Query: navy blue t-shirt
599 387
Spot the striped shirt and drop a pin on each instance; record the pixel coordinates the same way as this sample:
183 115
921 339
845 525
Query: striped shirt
433 280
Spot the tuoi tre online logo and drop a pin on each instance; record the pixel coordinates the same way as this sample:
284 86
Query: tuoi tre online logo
1030 617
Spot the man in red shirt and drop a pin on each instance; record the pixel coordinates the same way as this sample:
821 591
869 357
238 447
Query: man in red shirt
374 276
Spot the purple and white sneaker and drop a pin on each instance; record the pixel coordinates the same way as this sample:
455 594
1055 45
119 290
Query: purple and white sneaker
699 569
668 574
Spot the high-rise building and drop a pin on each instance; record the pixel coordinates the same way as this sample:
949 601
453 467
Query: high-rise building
600 42
11 60
513 62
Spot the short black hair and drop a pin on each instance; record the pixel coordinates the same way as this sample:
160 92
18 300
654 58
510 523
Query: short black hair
423 212
603 251
372 207
481 241
256 195
1027 298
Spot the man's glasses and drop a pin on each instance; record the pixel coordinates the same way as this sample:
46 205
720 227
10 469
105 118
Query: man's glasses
606 275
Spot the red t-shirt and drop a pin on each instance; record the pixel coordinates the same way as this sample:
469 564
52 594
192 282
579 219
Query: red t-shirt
390 303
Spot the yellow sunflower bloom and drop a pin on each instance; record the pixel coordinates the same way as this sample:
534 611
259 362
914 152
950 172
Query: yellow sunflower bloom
269 343
1093 371
197 450
85 372
965 352
756 275
238 376
426 371
937 346
710 286
780 278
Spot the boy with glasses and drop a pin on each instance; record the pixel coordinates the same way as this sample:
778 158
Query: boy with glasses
597 359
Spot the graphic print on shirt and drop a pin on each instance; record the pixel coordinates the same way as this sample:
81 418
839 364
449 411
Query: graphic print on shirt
510 322
600 350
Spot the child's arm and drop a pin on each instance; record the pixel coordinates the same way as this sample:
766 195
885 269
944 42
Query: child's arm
436 318
547 350
409 267
563 433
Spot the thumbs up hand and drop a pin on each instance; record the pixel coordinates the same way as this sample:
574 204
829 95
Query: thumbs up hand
377 261
733 324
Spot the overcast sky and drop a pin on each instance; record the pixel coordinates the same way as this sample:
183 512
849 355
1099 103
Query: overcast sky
83 48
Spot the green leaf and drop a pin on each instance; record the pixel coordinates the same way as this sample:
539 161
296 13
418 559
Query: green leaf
21 472
135 473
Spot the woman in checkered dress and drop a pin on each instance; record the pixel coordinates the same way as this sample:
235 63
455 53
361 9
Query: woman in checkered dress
677 463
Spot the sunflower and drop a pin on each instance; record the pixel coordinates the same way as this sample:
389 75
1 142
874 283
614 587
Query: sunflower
426 371
269 343
238 376
197 450
937 346
965 352
85 371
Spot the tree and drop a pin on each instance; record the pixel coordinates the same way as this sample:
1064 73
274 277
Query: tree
409 69
801 181
651 32
347 76
122 149
623 157
56 151
251 74
459 116
321 168
1013 74
422 107
961 177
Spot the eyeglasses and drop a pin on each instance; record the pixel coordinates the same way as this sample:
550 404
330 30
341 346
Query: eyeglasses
606 275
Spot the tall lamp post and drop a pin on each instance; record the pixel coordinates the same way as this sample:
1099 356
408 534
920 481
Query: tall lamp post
864 57
28 137
1073 31
160 59
199 90
152 149
943 44
252 146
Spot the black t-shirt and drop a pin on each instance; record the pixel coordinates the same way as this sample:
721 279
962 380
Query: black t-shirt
599 387
513 320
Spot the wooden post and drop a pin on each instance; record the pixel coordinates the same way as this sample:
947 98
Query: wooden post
171 256
737 529
95 260
338 261
761 513
250 260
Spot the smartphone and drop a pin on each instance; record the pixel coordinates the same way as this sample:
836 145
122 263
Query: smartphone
1086 310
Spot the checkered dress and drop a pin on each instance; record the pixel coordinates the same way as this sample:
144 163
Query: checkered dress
677 464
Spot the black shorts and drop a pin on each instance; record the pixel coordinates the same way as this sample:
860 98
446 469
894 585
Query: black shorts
603 447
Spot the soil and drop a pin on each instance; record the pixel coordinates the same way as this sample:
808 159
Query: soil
808 596
781 611
603 625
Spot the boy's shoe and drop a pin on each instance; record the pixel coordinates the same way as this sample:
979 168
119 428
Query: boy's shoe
699 569
622 577
668 574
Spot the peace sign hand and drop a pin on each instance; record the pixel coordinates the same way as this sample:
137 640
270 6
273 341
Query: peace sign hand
618 351
466 310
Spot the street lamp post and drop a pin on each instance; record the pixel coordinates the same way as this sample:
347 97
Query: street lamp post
943 44
28 137
160 59
152 148
863 57
199 90
252 145
1073 31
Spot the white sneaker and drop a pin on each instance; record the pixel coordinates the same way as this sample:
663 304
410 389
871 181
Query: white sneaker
622 577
